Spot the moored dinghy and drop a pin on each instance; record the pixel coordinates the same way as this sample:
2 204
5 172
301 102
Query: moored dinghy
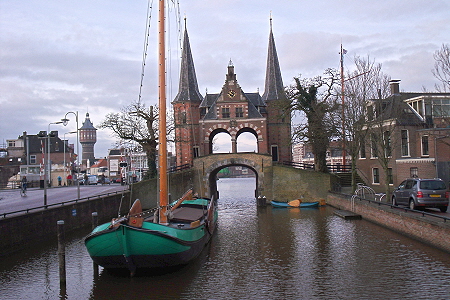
294 203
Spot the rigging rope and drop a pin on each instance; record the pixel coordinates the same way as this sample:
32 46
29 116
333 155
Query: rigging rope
144 55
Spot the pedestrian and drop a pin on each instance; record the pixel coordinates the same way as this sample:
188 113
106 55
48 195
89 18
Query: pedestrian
24 183
59 180
69 179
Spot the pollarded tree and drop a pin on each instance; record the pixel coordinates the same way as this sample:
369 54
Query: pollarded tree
139 124
315 99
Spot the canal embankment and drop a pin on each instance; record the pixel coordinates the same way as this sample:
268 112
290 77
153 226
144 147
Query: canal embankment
426 228
24 229
21 231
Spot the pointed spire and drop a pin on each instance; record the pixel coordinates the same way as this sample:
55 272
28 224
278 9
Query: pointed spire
188 88
274 88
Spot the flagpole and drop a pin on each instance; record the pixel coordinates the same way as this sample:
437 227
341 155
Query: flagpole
343 109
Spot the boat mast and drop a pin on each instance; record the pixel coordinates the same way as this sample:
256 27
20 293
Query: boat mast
163 193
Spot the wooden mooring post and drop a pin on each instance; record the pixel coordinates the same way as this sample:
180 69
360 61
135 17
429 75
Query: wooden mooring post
61 253
94 224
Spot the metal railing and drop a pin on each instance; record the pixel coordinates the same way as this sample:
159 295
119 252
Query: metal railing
179 168
298 165
16 184
27 210
379 202
331 168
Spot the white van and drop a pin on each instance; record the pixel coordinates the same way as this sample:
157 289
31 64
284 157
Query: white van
92 179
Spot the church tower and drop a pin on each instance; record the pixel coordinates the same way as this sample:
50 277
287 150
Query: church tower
88 138
278 119
186 109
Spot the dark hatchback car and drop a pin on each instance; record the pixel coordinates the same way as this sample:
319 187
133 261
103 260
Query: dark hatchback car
421 193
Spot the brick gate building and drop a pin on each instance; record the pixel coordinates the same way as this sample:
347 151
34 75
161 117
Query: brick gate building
232 111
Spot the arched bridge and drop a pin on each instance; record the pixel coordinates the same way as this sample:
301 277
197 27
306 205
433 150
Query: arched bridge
207 167
274 181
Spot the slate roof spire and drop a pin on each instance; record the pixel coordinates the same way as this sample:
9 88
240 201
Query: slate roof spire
188 88
274 88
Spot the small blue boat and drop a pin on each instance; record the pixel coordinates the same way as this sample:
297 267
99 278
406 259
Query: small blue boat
295 203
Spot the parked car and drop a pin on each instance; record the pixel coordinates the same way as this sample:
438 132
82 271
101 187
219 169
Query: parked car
91 180
421 193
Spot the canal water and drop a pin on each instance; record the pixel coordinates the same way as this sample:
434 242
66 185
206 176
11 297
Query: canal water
256 253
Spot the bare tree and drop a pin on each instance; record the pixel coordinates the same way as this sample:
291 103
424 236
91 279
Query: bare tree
315 98
442 68
140 124
365 83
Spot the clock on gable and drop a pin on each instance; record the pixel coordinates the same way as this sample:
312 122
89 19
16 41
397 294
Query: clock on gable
231 93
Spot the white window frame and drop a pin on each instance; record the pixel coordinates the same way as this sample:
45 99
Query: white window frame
373 176
428 145
407 143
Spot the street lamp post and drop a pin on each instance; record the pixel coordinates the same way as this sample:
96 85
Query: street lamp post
65 121
64 142
49 166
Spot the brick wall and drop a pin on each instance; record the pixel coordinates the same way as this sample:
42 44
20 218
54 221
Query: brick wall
430 230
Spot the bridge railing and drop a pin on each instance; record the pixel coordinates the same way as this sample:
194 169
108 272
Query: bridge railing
27 210
298 165
179 168
331 168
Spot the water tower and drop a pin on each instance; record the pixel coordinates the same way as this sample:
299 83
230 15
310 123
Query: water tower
88 137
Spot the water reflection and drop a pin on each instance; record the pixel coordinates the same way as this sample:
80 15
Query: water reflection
257 253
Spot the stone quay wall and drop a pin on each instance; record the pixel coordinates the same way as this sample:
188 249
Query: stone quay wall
22 231
430 230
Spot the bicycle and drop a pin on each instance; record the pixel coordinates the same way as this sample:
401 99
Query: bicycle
23 189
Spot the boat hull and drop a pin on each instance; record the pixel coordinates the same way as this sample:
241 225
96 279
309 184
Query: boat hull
151 246
128 247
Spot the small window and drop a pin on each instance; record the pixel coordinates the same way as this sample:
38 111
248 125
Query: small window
196 151
414 172
376 175
425 150
362 152
373 148
274 153
387 144
239 112
226 112
32 159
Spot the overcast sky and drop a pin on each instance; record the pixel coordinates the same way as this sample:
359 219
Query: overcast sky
58 56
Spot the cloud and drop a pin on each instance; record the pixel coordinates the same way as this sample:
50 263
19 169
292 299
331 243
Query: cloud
60 56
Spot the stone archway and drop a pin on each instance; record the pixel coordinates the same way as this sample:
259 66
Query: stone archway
206 168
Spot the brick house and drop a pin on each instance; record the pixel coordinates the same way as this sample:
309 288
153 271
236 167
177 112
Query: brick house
417 127
31 152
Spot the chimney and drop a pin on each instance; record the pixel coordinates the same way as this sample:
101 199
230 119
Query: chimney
395 86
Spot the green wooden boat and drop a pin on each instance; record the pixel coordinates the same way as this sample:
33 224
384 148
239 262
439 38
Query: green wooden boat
169 235
136 241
